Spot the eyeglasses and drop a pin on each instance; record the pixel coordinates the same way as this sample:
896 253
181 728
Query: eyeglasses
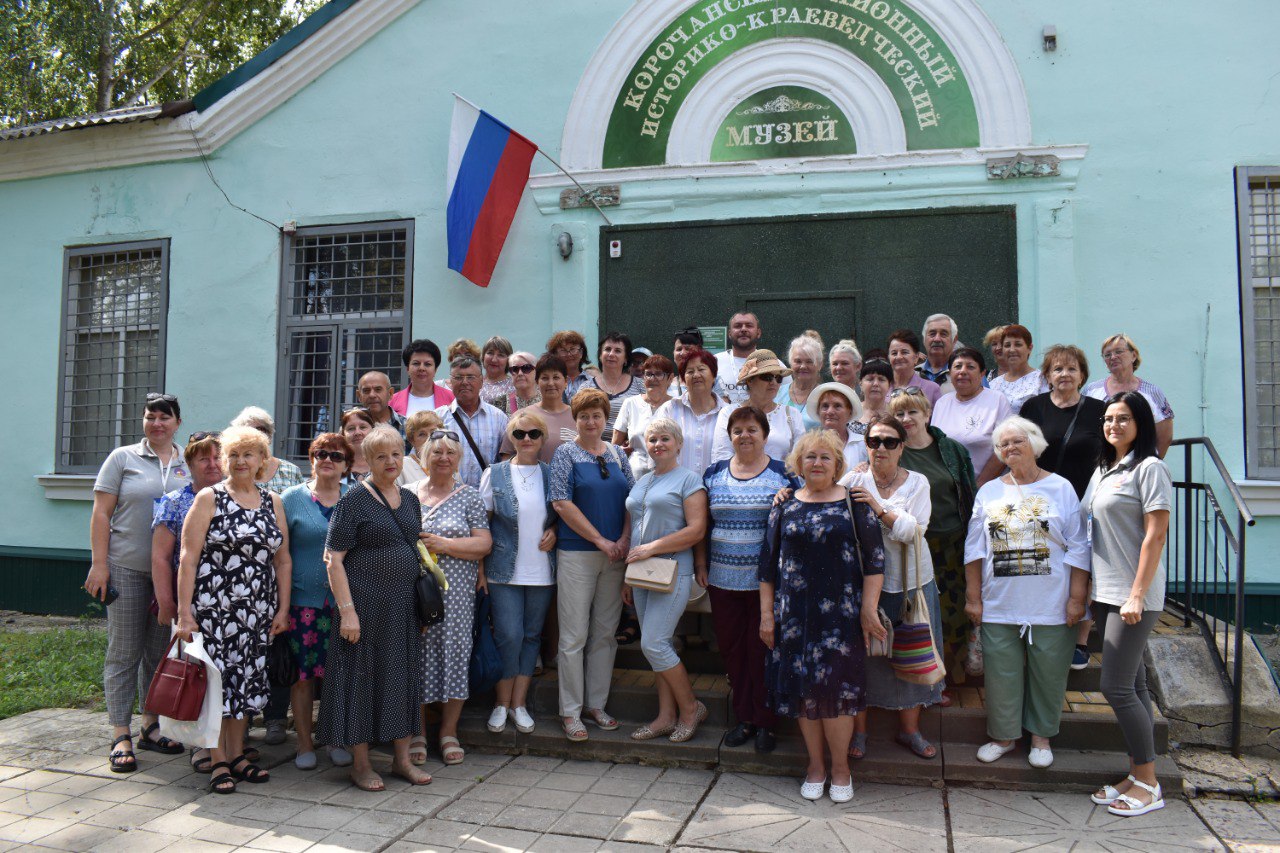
520 368
649 374
1118 420
1010 443
522 434
875 442
463 379
331 455
604 467
770 377
201 436
443 433
163 398
910 390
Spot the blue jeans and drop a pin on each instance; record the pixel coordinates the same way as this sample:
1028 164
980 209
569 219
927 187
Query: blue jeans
518 614
659 612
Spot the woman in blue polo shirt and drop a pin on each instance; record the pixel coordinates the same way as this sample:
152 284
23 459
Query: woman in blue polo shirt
590 481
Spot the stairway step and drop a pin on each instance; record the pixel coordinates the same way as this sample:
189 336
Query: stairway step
634 697
1087 680
697 659
1072 770
548 739
1083 730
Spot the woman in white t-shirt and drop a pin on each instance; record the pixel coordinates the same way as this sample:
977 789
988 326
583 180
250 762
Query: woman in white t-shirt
637 411
1026 579
971 414
762 374
521 570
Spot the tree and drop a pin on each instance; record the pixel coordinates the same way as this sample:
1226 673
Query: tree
71 57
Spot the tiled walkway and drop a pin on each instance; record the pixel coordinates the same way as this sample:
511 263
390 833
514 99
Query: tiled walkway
56 792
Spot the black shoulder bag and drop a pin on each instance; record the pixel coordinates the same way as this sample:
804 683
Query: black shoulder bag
428 598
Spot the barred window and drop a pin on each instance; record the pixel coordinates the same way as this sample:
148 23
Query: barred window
344 311
1258 200
113 335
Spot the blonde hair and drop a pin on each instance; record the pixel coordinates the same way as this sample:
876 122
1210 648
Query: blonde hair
464 346
425 419
523 416
1121 336
433 443
817 438
905 402
808 342
379 439
240 437
994 336
665 426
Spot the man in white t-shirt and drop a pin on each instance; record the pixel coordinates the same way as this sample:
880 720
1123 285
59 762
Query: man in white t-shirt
744 338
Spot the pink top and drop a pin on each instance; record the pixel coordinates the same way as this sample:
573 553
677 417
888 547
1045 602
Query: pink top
400 400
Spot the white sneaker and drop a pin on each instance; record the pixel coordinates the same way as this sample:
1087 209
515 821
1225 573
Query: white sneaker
1040 757
993 751
524 722
498 719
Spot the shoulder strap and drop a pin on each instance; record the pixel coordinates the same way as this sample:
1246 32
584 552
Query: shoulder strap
445 500
377 493
1071 427
460 420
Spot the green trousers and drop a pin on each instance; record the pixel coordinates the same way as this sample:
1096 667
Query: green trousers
1026 677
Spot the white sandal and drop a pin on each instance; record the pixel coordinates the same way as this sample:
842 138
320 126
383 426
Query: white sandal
1134 807
1109 794
451 751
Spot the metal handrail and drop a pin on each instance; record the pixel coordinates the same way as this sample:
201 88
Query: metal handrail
1204 580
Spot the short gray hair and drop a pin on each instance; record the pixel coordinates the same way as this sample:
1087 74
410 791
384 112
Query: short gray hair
933 318
1033 434
254 416
665 426
462 362
807 344
846 346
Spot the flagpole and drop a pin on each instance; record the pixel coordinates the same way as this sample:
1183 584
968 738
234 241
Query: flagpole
587 194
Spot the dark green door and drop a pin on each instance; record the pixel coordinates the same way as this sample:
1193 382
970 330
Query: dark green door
847 275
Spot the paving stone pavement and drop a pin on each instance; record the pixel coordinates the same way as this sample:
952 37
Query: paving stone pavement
56 793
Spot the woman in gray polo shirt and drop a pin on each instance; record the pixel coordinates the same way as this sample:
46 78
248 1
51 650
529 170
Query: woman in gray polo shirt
132 479
1127 505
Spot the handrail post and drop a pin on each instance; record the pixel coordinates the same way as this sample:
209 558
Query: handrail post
1187 555
1237 675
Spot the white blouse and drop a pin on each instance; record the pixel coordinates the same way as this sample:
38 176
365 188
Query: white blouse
912 506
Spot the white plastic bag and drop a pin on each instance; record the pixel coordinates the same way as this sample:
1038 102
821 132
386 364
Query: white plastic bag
203 732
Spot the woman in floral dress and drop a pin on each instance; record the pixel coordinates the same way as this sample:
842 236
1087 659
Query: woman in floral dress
233 587
820 576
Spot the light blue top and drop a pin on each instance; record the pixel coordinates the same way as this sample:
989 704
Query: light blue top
656 505
308 528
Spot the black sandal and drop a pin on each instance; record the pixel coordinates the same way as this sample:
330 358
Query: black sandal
160 744
250 772
203 764
121 761
218 784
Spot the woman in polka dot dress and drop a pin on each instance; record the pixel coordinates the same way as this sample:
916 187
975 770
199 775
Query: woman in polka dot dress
456 528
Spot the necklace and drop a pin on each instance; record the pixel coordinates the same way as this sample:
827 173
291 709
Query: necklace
601 381
888 485
524 479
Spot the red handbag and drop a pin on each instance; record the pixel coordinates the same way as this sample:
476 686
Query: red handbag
178 688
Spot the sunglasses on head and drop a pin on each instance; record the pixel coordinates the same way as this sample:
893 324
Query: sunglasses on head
875 442
442 433
520 368
331 455
201 436
164 398
522 434
909 389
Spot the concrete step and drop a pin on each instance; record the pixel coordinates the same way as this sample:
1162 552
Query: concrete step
634 698
1085 730
886 761
1087 680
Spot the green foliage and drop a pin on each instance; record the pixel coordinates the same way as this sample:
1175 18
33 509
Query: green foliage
70 57
60 668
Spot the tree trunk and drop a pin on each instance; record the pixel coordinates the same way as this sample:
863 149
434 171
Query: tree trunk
106 82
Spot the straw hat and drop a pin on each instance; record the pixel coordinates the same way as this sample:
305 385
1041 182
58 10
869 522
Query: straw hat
815 396
760 363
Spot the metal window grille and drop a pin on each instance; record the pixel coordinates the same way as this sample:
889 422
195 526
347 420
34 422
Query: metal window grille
345 311
1258 199
113 335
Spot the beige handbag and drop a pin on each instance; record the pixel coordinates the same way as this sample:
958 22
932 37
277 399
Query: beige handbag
699 601
657 574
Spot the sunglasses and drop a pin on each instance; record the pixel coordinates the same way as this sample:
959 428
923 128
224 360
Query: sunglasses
522 434
520 368
164 398
201 436
442 433
770 377
604 467
331 455
910 390
875 442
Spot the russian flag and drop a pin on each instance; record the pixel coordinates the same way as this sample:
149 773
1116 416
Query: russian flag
488 168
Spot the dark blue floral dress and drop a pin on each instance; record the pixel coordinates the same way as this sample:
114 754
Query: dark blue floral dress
816 564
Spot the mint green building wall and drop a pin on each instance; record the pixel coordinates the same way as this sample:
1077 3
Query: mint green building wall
1138 236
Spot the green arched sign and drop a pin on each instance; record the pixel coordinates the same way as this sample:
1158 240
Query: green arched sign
783 121
888 35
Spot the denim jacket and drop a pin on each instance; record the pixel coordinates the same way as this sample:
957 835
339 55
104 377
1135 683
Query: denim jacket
500 565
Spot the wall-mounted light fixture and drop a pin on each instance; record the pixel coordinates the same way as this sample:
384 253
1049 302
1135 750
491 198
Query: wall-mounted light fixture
565 244
1050 37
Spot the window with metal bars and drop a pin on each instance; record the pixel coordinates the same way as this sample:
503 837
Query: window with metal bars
345 298
1258 202
113 337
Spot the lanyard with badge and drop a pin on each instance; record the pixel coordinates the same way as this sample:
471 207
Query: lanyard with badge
165 468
